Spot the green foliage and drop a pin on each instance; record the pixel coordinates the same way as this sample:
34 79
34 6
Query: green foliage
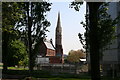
75 56
106 29
24 62
76 5
15 17
35 26
11 14
100 30
106 26
39 22
16 53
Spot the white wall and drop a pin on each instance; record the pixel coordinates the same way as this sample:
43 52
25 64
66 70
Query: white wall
42 60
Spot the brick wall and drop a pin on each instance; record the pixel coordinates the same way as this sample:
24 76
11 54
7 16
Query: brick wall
50 52
55 60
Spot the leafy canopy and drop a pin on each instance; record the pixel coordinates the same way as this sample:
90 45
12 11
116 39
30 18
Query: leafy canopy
75 56
16 52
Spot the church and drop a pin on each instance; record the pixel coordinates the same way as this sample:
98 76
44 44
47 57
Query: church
49 53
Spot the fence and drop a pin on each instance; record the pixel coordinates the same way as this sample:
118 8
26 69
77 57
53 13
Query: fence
63 68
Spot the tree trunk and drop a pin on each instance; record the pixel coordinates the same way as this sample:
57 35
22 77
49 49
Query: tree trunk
30 44
29 38
94 42
5 49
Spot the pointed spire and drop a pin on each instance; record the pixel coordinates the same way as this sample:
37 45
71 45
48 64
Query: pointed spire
58 22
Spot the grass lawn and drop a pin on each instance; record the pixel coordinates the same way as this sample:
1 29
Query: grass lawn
13 68
69 79
16 68
57 79
66 79
46 75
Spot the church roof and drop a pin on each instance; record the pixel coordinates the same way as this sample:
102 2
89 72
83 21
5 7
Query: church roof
49 44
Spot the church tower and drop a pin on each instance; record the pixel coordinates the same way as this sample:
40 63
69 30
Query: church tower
58 39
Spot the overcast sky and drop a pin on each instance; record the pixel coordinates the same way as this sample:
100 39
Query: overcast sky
70 22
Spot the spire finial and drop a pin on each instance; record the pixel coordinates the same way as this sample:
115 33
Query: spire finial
58 22
59 13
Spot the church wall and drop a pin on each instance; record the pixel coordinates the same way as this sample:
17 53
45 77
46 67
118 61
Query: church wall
50 52
55 60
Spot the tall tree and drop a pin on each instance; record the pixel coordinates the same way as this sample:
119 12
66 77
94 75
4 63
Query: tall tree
35 26
99 33
94 40
11 14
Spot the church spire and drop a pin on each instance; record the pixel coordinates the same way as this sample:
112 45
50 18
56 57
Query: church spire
58 39
58 31
58 22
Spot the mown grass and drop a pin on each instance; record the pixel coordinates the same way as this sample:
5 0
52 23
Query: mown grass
56 79
70 79
17 68
14 68
47 75
67 79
